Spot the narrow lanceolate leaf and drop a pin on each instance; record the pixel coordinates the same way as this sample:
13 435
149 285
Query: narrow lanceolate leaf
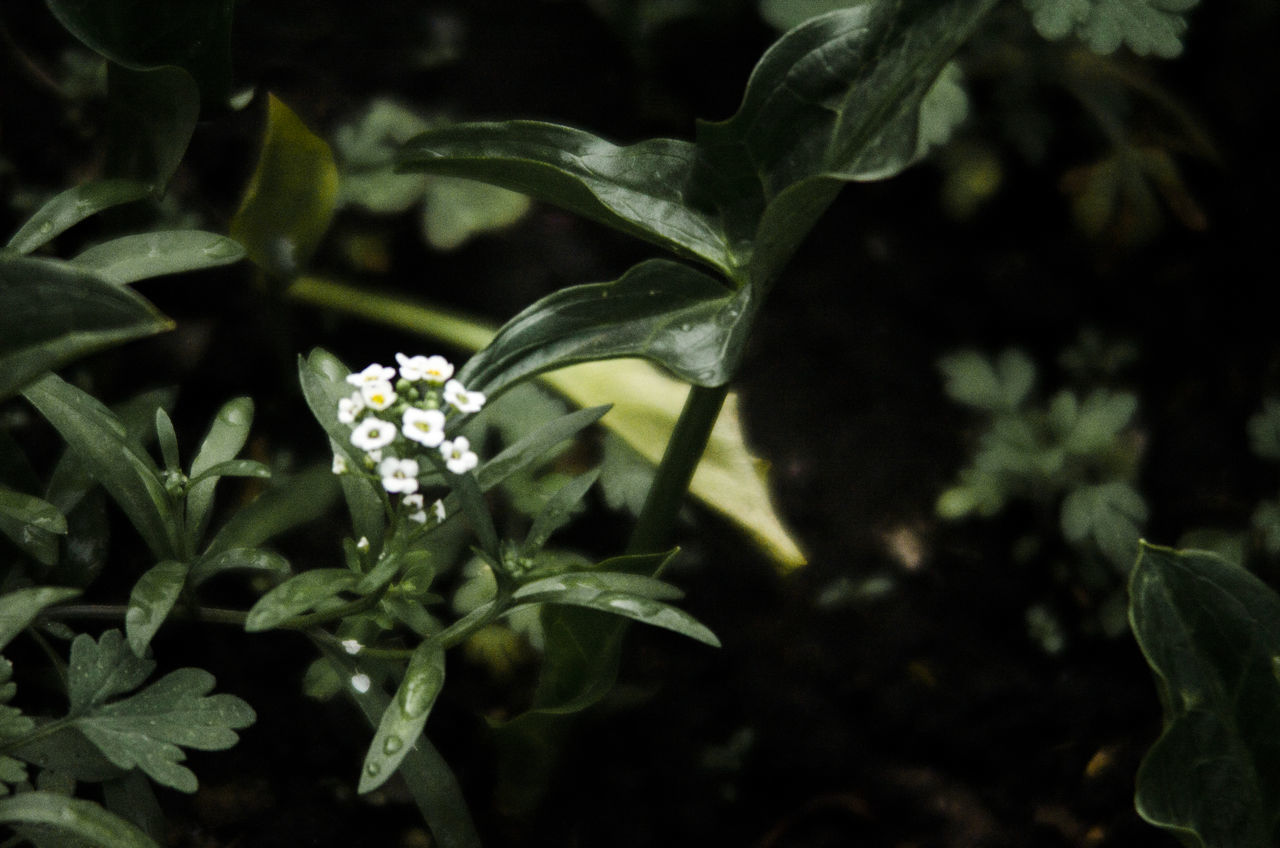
291 197
635 607
98 440
602 580
52 313
649 190
226 437
660 310
71 207
557 511
151 601
250 560
298 595
1211 632
140 257
405 716
20 607
73 818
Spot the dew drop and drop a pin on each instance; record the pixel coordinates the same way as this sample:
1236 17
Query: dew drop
394 743
46 227
373 769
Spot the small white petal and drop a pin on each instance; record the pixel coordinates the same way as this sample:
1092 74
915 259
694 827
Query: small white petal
352 646
361 683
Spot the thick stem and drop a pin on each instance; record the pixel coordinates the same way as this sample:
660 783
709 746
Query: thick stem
684 450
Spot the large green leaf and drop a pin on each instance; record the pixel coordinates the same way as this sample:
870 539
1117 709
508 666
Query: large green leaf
20 607
139 257
291 197
98 439
297 595
152 116
660 310
52 313
72 206
1211 632
73 818
144 34
405 716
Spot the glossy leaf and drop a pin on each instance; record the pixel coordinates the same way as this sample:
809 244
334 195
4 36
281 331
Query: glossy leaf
659 310
73 818
71 207
151 117
291 502
251 560
150 602
291 197
640 608
1210 631
21 606
234 468
601 579
299 594
226 437
168 439
32 524
140 257
645 189
98 439
144 34
405 716
52 313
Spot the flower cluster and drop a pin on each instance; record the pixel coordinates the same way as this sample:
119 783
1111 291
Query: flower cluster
396 418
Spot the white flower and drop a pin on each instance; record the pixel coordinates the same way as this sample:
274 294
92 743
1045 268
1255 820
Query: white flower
340 464
419 517
372 458
349 408
433 369
399 475
438 509
372 434
361 683
363 544
424 426
462 400
352 646
378 394
372 374
458 456
412 501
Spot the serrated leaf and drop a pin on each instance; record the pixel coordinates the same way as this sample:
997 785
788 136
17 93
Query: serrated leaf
367 148
1211 633
99 440
999 386
149 729
226 437
20 607
72 817
72 206
52 313
140 257
660 310
1109 514
1147 27
405 716
299 594
291 197
150 602
101 670
1099 421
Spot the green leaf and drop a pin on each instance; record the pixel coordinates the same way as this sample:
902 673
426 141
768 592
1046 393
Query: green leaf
234 468
252 560
646 190
557 511
660 310
536 446
151 601
168 439
289 503
151 117
458 210
98 439
145 730
640 608
140 257
974 380
1264 430
600 579
297 595
20 607
1109 514
71 207
143 34
32 524
1211 633
405 716
52 313
74 818
366 148
1144 26
291 197
785 14
226 437
101 670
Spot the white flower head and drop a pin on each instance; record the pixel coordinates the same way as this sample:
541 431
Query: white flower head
374 373
377 394
399 475
461 399
424 426
361 683
349 408
352 646
372 434
433 369
458 456
340 464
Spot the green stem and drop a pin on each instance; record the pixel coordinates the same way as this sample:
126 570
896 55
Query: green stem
113 612
684 450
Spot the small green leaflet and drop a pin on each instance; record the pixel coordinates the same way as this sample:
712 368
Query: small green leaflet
1144 26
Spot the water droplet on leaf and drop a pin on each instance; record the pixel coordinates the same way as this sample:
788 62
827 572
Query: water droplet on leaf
392 744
